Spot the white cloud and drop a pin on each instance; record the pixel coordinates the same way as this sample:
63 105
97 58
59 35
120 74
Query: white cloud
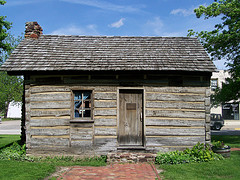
75 30
104 5
155 26
183 12
117 24
186 12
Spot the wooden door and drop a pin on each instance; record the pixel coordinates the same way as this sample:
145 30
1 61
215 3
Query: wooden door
130 118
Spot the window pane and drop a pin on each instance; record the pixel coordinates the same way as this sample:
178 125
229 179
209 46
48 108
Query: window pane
77 95
78 113
87 113
214 84
78 104
86 95
87 104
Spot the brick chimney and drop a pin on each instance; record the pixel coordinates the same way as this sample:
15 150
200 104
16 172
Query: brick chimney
33 30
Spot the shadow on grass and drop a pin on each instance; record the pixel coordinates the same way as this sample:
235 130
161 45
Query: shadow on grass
8 140
8 145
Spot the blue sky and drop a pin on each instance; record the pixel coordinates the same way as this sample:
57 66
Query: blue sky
109 17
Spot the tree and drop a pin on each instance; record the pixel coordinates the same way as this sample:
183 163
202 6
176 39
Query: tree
4 27
223 42
11 90
11 86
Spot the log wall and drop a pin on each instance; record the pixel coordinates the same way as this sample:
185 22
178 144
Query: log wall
174 117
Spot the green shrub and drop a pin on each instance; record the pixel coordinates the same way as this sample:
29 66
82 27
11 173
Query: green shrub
72 159
198 153
14 152
18 152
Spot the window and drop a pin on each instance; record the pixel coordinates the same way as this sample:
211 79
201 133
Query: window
214 84
83 105
230 111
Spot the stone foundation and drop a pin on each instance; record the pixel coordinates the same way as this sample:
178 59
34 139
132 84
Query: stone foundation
130 157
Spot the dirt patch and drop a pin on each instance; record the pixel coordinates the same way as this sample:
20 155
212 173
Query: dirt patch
59 172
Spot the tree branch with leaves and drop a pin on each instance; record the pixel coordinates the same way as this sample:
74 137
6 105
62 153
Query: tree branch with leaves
11 86
223 42
4 27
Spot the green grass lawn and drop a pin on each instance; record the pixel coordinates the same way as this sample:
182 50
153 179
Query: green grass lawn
10 119
224 169
6 140
16 170
40 168
25 170
232 141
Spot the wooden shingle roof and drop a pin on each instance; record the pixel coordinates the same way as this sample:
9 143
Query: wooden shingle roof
97 53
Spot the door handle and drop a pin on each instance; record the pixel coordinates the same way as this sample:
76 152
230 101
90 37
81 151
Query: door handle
141 117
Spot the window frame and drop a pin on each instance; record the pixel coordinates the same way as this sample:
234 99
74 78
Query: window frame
82 119
213 88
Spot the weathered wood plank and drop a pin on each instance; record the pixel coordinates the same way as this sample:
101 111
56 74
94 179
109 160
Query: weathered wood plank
94 87
207 101
38 142
197 90
51 105
41 89
105 96
207 117
49 122
49 132
105 104
174 97
167 131
81 133
175 114
81 125
175 105
174 140
105 122
105 144
50 112
174 122
51 117
105 112
208 136
105 131
76 137
105 88
83 144
53 96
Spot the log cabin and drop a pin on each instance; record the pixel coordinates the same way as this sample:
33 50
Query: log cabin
92 95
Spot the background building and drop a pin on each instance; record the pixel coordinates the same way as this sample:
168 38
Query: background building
14 110
230 110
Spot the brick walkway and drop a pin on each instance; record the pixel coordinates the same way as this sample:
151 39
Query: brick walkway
140 171
235 149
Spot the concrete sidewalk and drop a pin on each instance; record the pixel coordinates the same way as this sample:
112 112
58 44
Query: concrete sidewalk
231 125
10 127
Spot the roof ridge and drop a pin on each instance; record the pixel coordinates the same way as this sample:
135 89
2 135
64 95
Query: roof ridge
106 36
